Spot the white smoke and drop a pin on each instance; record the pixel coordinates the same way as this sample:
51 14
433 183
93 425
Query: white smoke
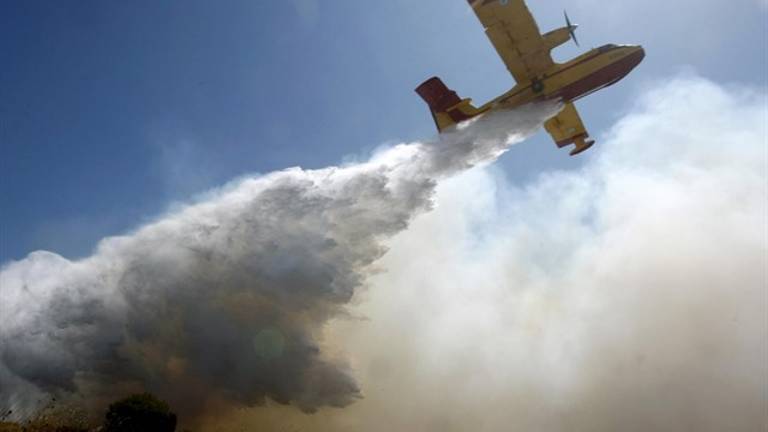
227 298
630 295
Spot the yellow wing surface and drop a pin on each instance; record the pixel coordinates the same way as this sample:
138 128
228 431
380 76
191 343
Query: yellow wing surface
516 37
527 54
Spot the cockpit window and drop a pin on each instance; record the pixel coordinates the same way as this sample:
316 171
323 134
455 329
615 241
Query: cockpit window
606 48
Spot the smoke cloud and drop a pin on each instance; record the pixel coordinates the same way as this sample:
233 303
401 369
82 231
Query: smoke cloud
226 299
629 295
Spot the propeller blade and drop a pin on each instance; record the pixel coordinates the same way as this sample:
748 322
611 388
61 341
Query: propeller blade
571 28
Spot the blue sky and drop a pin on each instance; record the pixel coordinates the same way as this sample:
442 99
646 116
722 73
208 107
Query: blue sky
110 111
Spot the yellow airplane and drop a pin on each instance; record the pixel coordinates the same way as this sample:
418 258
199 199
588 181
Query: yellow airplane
526 52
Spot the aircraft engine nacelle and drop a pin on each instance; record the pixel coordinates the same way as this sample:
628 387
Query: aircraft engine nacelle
555 38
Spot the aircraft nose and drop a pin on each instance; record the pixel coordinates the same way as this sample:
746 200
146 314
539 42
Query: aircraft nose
637 55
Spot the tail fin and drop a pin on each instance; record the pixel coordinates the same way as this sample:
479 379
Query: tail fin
447 108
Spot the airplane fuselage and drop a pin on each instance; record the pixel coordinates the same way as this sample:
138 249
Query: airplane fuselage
527 54
570 81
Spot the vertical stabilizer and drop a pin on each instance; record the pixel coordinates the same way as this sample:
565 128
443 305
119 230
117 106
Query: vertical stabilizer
447 108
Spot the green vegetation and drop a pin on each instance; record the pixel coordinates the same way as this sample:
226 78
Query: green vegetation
52 418
9 427
38 426
137 413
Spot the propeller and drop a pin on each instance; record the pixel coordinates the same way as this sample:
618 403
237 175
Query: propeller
571 28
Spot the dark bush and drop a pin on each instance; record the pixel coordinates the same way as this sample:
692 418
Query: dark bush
140 413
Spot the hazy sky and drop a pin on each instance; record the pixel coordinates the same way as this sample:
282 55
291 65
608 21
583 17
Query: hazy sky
111 110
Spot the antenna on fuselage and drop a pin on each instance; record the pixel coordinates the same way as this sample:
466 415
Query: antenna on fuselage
571 28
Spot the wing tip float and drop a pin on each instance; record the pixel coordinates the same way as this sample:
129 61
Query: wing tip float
527 54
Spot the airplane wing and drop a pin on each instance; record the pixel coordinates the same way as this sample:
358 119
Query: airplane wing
516 37
526 53
566 128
